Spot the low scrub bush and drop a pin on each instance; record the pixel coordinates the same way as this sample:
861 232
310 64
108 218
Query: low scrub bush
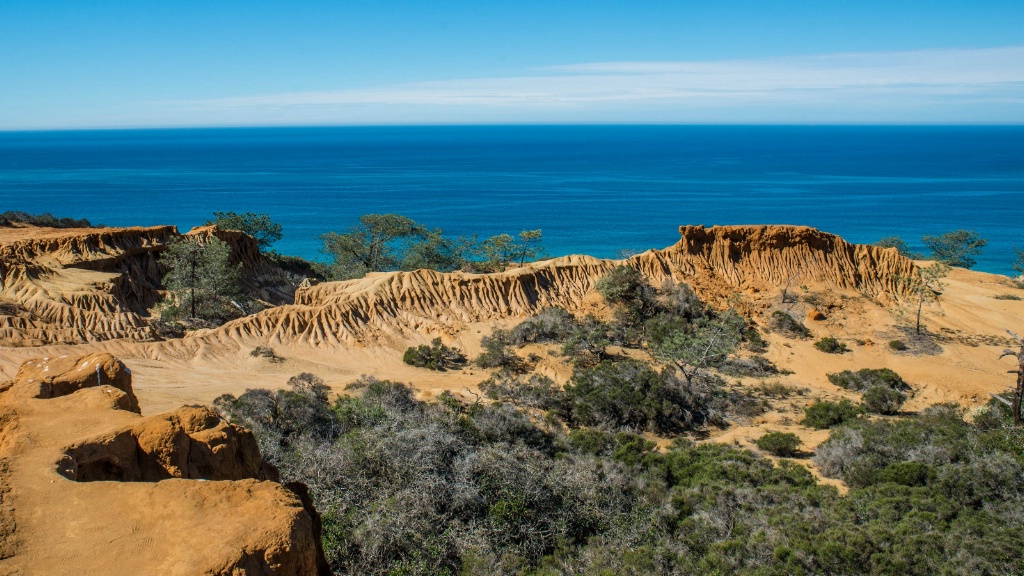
630 394
898 345
586 345
444 487
1008 297
777 390
882 400
496 353
831 345
533 391
825 414
783 323
548 325
783 444
266 352
866 378
753 367
436 356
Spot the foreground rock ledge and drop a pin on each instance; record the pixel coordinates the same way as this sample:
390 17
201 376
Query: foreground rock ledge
88 486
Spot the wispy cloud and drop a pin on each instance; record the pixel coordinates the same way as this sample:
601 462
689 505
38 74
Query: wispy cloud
884 82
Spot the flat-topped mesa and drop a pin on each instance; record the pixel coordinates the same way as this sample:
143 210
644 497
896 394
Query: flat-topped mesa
774 256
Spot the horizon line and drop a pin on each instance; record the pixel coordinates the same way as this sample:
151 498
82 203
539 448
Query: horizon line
1011 124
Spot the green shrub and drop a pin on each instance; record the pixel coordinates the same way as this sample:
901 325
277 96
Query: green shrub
587 343
866 378
753 367
784 444
496 353
831 345
622 285
783 323
898 345
825 414
630 394
436 356
549 325
535 391
882 400
48 220
776 389
906 473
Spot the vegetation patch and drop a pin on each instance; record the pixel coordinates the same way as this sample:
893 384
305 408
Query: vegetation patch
266 352
436 356
631 394
866 378
444 487
549 325
784 323
782 444
497 353
825 414
753 367
884 391
831 345
898 345
533 391
48 220
883 400
777 390
1008 297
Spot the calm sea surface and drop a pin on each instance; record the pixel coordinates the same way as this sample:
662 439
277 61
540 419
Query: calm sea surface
591 189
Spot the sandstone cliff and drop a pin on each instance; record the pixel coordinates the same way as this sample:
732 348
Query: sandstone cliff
718 262
90 487
96 284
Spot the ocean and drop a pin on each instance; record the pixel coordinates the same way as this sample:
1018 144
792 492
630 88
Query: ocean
598 190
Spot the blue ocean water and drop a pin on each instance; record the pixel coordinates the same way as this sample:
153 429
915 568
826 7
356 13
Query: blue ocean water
591 189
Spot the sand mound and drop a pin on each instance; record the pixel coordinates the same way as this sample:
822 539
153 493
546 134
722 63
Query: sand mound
95 284
89 487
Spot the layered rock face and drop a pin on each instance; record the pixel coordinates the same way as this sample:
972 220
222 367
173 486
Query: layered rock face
95 284
717 262
90 487
77 285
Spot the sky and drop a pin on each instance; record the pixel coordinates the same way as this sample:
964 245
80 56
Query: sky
121 64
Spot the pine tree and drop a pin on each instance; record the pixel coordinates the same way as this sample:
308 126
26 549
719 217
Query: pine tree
200 278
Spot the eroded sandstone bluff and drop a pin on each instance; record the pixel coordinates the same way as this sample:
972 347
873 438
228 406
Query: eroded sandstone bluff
87 486
94 284
718 262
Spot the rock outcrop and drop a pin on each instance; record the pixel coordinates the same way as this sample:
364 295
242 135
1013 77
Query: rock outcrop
95 284
77 285
717 262
89 487
260 276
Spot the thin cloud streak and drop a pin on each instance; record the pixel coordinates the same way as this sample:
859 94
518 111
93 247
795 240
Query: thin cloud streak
859 80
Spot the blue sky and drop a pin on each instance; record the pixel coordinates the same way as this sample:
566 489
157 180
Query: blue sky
97 64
